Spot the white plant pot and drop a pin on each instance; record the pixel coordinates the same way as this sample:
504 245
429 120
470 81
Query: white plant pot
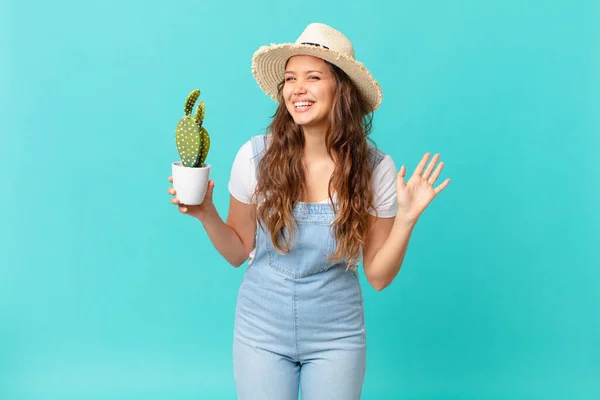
190 184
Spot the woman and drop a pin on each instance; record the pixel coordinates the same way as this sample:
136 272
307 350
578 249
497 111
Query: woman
309 201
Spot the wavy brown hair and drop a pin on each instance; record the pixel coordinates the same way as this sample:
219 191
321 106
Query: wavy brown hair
281 176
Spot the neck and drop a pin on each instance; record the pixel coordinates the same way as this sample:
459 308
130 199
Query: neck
314 143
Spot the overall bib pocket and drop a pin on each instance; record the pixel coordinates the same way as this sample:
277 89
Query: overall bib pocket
312 243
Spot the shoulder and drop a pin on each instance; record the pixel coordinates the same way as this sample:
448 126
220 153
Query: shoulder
245 149
379 158
243 177
383 183
258 143
250 147
384 170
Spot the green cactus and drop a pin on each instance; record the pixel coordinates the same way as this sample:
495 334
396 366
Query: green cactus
192 139
205 146
205 138
200 113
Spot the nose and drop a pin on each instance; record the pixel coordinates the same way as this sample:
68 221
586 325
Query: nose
299 87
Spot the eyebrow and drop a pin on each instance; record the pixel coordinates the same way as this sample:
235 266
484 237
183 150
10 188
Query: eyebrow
308 72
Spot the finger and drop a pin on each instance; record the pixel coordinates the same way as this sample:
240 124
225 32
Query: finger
171 190
421 164
170 179
401 175
209 190
183 209
441 187
436 173
434 161
175 200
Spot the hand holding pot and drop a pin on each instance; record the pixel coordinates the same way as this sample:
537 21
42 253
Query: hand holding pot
196 211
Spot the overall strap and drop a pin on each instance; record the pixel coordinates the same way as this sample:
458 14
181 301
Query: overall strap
375 156
259 146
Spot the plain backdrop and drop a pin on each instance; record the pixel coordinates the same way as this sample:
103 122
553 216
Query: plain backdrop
108 292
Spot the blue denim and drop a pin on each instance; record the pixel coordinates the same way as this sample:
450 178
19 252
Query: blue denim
299 322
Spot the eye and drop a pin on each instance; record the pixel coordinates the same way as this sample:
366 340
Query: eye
288 78
314 77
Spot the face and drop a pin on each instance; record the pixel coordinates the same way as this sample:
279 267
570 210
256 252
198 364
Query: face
308 90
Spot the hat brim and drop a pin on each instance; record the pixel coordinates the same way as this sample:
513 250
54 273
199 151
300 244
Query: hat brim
268 67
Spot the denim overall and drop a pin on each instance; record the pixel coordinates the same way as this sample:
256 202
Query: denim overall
299 320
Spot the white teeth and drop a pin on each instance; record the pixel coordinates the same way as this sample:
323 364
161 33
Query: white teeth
303 103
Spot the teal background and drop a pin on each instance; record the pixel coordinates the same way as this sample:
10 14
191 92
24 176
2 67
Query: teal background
107 292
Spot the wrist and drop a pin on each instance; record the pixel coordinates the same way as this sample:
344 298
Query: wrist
405 220
208 215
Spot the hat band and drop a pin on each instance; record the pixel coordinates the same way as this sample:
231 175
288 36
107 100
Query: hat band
315 44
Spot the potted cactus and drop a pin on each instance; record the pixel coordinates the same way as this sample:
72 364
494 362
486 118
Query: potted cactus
191 173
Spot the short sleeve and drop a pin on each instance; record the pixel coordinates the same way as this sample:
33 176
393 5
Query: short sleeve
242 180
384 188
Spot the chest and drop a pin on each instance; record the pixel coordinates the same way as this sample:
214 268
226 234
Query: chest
317 182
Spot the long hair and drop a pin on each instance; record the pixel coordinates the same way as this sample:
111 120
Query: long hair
281 178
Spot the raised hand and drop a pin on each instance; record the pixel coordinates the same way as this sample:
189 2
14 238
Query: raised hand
416 194
200 210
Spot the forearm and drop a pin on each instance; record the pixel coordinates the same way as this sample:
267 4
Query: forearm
224 238
388 260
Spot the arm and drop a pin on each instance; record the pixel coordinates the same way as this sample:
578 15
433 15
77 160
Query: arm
387 241
234 239
385 248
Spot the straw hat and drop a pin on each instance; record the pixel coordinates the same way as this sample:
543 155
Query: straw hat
318 40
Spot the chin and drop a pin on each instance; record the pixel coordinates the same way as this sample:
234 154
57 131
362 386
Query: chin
302 121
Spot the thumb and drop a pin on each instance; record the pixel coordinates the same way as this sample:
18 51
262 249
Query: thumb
400 177
211 186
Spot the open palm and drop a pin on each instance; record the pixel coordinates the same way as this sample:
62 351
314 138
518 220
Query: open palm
416 194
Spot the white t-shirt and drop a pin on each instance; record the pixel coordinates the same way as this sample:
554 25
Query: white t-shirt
242 182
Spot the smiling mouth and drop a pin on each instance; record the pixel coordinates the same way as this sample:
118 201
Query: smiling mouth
303 105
